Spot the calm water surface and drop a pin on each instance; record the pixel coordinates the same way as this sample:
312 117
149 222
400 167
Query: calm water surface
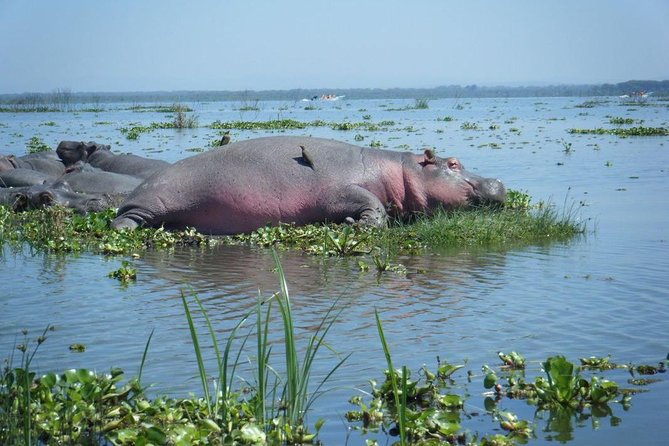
604 293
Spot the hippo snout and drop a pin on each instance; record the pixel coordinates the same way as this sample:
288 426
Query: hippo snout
490 191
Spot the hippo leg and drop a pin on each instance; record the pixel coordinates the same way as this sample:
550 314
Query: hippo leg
357 205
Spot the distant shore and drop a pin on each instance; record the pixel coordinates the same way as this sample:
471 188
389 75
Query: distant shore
658 88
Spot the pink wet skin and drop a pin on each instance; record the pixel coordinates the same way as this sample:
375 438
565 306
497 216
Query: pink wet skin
295 180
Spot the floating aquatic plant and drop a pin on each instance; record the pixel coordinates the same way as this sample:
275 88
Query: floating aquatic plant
36 145
623 132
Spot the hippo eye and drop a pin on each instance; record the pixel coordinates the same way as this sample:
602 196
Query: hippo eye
453 164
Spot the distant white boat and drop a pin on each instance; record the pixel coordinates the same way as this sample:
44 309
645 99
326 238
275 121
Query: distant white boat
639 96
324 97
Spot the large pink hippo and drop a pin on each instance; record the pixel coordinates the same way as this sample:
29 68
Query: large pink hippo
300 180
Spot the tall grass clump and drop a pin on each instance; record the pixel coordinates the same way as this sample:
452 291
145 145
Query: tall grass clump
280 403
183 120
483 227
15 394
422 104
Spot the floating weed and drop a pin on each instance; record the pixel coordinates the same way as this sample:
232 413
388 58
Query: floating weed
382 263
60 230
615 120
517 200
598 363
623 132
80 406
512 360
469 126
125 274
286 124
78 348
36 145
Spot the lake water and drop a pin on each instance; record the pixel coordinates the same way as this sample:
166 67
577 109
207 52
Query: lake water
604 293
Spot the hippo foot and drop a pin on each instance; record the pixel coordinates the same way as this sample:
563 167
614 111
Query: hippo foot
124 223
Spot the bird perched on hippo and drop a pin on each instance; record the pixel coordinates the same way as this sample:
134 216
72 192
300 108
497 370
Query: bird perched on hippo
248 184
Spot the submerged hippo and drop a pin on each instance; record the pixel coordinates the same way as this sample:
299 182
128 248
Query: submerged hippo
300 180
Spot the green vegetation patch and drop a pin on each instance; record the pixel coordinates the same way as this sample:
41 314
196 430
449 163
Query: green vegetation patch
479 227
288 124
623 132
37 145
616 120
59 229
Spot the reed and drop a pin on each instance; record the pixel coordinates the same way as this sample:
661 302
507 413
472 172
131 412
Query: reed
399 396
282 417
296 395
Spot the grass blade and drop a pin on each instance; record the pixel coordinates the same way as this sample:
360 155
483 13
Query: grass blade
393 379
198 351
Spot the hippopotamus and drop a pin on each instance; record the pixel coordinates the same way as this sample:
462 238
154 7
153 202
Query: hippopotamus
40 196
24 177
248 184
9 195
88 179
45 162
101 156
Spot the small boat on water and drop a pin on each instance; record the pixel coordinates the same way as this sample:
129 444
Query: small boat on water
636 96
324 97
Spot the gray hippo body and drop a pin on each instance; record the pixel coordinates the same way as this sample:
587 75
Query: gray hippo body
87 179
100 156
45 162
22 176
300 180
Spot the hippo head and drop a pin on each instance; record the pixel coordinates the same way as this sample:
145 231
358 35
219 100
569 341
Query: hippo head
71 152
449 185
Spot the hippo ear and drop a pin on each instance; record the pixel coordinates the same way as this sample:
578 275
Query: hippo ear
429 157
20 202
12 161
46 198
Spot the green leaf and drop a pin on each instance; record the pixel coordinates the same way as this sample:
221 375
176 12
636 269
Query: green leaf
155 435
490 380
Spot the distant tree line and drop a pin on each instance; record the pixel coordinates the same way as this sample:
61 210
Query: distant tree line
63 99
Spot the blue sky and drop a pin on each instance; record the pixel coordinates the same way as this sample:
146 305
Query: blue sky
136 45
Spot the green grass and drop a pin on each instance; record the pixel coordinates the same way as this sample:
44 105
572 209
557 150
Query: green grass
60 230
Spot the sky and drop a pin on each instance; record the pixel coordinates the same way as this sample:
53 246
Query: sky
166 45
